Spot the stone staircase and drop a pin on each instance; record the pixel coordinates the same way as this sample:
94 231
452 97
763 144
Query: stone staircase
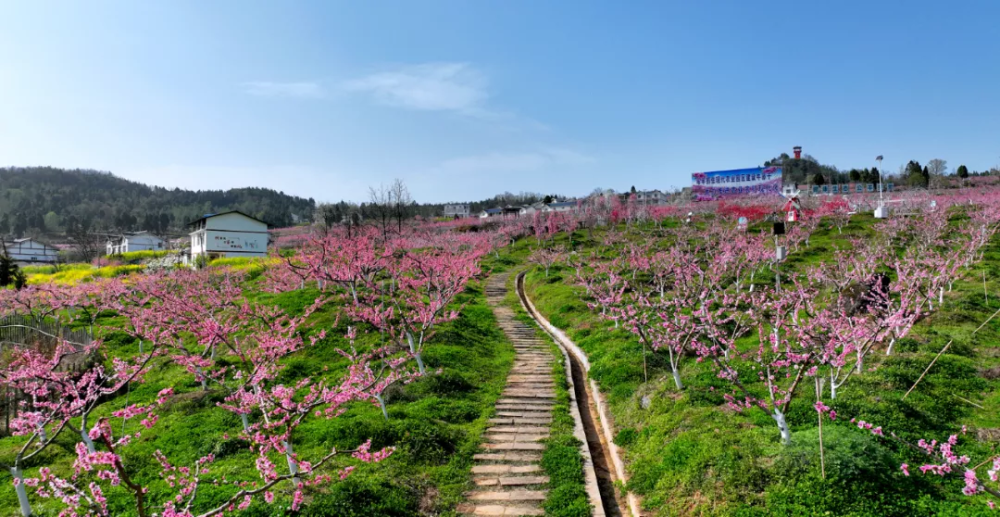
507 472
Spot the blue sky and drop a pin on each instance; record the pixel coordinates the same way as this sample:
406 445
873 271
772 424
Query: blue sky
466 99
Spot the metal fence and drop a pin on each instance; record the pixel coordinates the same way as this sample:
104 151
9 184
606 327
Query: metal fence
20 330
28 332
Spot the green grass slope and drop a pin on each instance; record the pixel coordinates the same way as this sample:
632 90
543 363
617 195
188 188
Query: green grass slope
689 454
436 423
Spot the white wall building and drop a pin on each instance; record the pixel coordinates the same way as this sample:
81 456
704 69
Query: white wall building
229 234
651 197
30 250
561 206
491 212
532 208
142 241
456 210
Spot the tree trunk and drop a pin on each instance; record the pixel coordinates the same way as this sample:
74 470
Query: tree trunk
22 493
246 423
673 367
85 436
293 466
677 378
204 380
381 404
416 353
786 433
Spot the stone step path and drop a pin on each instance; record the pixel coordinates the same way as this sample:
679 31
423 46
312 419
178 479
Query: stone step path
508 474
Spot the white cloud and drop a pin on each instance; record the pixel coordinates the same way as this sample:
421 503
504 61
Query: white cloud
430 87
516 162
303 90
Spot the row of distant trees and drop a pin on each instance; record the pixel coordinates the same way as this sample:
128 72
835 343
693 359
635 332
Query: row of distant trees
808 170
389 205
934 173
47 201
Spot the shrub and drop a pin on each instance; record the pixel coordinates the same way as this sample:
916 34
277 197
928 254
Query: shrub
134 257
358 496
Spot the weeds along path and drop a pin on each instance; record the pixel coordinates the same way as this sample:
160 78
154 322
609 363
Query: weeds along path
507 473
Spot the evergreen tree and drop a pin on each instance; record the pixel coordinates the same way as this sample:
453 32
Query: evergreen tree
872 175
916 176
10 273
962 172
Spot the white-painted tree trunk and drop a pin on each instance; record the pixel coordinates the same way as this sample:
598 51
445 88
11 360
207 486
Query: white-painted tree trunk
293 466
246 423
833 383
381 405
85 436
677 378
204 380
786 433
22 493
415 352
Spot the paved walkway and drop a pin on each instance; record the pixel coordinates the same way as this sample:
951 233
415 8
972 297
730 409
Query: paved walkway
508 473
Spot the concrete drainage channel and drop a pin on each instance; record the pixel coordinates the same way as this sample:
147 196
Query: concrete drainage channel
603 464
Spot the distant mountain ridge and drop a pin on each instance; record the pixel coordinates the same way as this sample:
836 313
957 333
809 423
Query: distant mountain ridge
49 200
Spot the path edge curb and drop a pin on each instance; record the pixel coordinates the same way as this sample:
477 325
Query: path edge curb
568 346
590 477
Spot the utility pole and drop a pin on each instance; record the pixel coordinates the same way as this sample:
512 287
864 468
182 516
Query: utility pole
880 211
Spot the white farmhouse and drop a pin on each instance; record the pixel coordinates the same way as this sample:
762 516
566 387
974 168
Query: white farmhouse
457 211
30 250
532 208
561 206
142 241
229 234
651 197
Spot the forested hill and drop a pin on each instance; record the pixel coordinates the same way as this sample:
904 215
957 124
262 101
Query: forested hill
47 200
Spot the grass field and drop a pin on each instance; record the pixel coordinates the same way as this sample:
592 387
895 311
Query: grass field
435 422
689 454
